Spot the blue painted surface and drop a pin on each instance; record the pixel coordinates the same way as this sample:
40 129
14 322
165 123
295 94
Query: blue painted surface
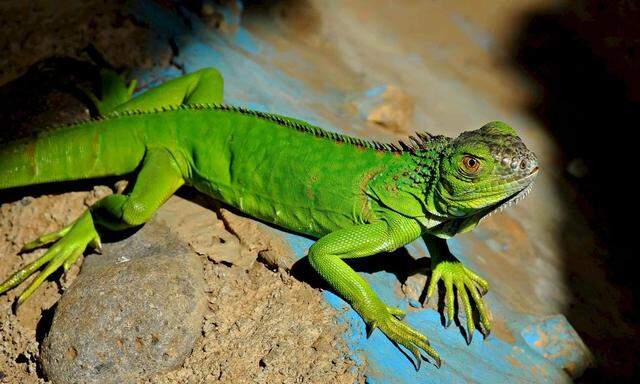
554 339
244 61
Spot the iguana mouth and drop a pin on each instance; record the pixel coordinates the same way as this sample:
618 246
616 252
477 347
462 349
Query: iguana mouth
513 184
497 207
516 197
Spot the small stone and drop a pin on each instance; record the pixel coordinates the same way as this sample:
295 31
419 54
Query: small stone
26 200
394 111
134 311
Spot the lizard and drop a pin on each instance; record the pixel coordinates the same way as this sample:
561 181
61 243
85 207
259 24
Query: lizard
357 197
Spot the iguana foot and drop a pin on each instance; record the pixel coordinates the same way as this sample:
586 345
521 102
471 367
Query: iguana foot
71 243
388 321
455 275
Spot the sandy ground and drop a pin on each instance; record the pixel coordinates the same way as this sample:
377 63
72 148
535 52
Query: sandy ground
21 333
262 325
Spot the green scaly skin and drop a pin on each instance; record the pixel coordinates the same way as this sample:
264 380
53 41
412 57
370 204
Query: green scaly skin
358 197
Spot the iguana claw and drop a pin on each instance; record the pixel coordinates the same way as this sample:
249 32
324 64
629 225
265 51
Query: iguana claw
371 326
397 312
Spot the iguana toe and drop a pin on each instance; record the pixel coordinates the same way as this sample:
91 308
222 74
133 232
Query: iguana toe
45 239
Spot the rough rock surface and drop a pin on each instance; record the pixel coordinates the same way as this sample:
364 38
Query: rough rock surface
135 310
224 237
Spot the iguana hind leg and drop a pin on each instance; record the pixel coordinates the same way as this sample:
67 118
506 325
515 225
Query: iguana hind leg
114 91
200 87
365 240
159 177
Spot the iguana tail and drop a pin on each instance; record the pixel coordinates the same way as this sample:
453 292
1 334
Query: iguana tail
90 149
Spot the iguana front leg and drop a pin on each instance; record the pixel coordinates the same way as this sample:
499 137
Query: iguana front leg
159 177
384 235
446 267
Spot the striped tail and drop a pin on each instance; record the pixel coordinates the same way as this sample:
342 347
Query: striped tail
89 149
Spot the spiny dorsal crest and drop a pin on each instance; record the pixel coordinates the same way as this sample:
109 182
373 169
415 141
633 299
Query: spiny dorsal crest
415 144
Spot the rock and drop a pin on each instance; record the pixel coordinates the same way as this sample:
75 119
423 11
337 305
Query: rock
227 238
394 112
258 240
387 107
134 311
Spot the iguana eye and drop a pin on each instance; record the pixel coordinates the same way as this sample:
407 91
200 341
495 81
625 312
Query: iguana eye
471 164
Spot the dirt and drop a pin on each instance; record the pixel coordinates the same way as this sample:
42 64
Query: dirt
20 222
264 326
261 325
46 28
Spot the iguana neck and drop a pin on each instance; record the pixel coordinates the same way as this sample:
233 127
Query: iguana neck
420 178
424 176
408 186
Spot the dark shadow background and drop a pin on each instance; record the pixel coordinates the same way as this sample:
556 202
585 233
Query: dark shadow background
586 58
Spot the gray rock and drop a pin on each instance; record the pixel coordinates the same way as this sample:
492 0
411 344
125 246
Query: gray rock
134 311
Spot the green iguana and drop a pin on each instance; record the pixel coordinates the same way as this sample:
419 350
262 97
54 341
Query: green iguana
358 197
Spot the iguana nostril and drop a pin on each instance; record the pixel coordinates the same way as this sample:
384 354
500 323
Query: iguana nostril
524 164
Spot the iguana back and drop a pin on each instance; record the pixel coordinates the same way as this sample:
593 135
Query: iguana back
274 168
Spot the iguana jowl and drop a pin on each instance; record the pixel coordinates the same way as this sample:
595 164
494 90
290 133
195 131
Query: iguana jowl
358 197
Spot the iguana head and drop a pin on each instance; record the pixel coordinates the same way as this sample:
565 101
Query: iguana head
481 171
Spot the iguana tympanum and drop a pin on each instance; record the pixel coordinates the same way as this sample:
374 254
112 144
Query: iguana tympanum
358 197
